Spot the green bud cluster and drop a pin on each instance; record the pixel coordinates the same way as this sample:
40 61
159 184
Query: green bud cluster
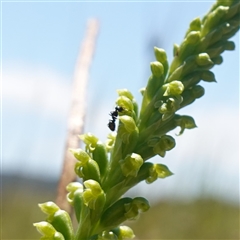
58 224
109 170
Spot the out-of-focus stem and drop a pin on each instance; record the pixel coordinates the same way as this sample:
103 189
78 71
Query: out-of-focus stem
77 111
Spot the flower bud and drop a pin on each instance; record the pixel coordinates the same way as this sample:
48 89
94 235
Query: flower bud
171 105
126 93
45 228
93 196
72 188
203 59
213 19
74 197
141 203
143 173
162 171
125 103
195 25
207 76
142 90
161 57
197 91
175 50
138 204
58 218
91 171
48 231
184 122
187 48
157 69
217 60
158 171
123 232
48 208
100 156
193 37
131 164
229 45
107 235
174 88
164 144
80 155
233 10
215 50
128 122
90 140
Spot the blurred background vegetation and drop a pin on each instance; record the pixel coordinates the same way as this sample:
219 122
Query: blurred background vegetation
202 218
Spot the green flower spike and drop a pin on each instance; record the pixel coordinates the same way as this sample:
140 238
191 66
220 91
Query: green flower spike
58 218
48 231
109 171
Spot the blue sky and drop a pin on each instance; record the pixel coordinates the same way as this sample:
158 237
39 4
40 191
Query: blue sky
40 42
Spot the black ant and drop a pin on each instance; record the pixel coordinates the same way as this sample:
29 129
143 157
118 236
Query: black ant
114 116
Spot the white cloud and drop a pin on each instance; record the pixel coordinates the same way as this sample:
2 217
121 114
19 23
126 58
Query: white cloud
32 87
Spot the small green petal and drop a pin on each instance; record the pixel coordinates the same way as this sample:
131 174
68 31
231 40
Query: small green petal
72 188
162 170
126 93
110 141
48 207
90 140
80 155
45 228
141 203
185 122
